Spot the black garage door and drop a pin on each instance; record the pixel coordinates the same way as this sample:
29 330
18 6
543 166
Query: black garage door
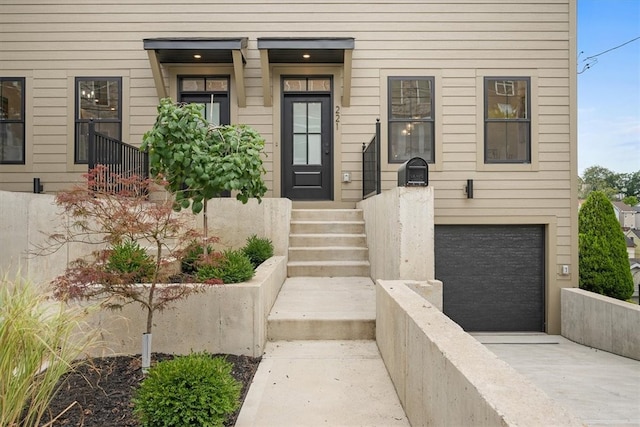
492 275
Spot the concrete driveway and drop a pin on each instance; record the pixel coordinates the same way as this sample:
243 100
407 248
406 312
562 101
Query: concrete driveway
601 388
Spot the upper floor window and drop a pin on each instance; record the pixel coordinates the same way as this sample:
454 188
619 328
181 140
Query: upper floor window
12 120
210 91
507 120
98 99
411 119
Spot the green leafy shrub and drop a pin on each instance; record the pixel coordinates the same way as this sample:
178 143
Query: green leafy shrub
130 259
193 390
233 267
192 255
603 259
258 249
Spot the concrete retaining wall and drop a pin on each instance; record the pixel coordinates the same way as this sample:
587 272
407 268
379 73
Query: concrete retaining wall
25 222
601 322
399 228
27 219
224 319
443 376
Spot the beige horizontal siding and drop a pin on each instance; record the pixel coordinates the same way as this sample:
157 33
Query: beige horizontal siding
456 39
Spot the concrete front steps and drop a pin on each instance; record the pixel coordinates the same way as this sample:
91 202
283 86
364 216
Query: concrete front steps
324 308
328 294
327 243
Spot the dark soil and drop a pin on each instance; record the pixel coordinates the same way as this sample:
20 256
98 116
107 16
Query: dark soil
98 393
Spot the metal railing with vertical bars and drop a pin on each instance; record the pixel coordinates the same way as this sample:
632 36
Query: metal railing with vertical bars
371 168
118 157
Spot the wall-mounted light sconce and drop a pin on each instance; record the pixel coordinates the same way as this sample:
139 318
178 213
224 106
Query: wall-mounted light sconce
469 189
37 187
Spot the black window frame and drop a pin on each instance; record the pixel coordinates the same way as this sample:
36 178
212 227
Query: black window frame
7 121
526 120
78 121
221 97
430 120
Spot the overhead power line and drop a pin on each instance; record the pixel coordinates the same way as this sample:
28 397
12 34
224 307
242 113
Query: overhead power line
593 59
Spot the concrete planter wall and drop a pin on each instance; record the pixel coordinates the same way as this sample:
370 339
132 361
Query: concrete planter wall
224 319
443 376
601 322
400 230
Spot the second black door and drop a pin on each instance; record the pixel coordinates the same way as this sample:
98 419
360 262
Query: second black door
307 147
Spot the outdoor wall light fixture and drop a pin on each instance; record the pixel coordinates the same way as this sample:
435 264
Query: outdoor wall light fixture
468 189
37 186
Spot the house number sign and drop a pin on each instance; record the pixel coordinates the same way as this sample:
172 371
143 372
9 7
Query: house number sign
337 117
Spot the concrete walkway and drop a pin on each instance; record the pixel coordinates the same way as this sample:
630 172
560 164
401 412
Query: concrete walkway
322 383
322 366
601 388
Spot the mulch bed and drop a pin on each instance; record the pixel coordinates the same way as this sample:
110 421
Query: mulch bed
98 393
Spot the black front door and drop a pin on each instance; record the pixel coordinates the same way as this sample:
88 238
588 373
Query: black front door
307 147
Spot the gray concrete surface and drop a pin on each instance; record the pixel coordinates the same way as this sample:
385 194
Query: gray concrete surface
600 388
601 322
321 383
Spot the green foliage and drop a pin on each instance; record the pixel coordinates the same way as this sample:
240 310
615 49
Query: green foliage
193 390
233 267
258 249
34 333
200 162
630 200
603 259
598 178
192 255
132 261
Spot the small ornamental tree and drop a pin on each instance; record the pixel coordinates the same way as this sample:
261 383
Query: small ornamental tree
108 208
199 161
603 259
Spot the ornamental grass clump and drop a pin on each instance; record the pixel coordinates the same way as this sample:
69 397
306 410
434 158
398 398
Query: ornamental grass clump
39 342
193 390
258 249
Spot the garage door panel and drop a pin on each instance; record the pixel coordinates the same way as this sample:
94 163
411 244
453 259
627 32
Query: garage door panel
492 276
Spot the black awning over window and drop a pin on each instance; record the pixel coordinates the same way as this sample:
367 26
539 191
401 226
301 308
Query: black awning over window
187 50
230 51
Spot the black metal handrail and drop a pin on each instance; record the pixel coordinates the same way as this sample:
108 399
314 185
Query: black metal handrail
120 158
371 168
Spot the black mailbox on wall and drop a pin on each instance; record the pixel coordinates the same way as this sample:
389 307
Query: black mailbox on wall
413 173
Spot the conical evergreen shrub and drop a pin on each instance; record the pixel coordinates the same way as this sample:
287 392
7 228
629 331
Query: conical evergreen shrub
603 258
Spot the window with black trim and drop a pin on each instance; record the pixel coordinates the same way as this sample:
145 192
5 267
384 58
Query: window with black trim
507 120
98 99
12 120
210 91
411 118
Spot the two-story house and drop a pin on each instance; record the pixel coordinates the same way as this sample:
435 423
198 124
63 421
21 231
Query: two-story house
483 90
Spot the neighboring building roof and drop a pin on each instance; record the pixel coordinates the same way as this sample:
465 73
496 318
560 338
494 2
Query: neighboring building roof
634 231
630 242
634 262
623 207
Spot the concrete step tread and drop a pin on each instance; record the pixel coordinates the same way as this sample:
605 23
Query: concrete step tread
327 263
328 248
328 221
332 235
